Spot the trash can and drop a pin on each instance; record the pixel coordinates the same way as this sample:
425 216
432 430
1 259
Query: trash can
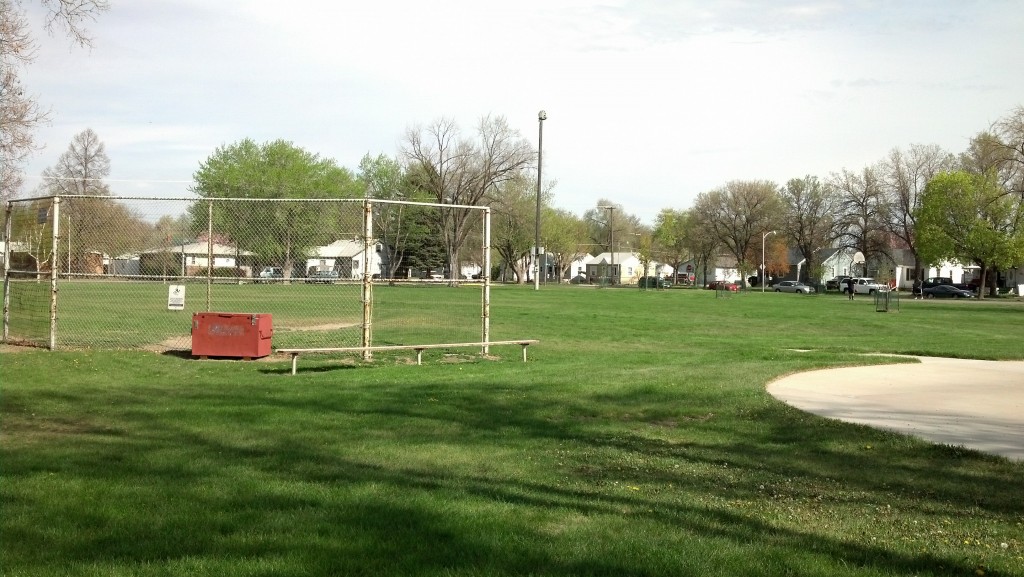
245 336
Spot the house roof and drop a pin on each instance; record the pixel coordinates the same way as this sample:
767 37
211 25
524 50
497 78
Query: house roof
200 248
344 248
605 257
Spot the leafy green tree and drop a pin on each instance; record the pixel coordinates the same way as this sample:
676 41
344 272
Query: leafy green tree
969 218
670 234
394 223
564 238
513 211
280 233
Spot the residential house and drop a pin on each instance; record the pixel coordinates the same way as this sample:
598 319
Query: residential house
723 268
187 259
614 268
346 256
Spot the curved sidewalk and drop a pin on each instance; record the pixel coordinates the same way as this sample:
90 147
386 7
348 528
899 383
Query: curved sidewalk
969 403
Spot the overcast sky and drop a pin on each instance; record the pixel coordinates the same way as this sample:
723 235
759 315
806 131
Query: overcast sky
649 102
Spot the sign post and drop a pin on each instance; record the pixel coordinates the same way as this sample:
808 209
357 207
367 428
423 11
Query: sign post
176 297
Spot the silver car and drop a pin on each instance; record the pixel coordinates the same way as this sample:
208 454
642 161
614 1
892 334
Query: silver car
792 286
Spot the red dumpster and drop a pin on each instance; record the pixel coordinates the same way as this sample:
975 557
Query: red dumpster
244 336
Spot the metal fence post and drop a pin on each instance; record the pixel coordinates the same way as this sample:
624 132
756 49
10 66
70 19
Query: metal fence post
53 271
367 289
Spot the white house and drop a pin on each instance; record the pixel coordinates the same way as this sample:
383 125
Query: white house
184 259
346 257
723 267
627 268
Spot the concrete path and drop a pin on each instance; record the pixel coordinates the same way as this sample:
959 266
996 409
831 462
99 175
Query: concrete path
969 403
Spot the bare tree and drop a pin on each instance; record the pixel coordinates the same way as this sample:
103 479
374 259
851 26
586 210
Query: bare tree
598 223
1009 138
21 112
80 171
702 242
811 222
903 176
864 213
461 172
738 214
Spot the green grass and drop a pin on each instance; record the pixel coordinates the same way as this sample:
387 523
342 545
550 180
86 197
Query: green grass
638 440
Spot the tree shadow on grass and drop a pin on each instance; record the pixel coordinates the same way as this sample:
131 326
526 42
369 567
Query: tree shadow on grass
292 473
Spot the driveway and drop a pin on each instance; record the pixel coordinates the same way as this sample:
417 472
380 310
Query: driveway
970 403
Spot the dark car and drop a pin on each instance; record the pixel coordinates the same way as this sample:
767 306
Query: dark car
947 291
322 277
653 282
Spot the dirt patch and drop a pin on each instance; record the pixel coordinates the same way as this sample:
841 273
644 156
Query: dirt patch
6 348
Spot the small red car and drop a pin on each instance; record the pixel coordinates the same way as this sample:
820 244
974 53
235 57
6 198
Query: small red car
723 285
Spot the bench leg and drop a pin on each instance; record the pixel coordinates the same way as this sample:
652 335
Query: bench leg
295 362
524 345
419 356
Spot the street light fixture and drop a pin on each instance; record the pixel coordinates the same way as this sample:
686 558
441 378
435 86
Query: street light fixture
541 117
763 275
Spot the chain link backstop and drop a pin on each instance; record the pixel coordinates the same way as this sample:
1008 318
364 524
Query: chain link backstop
110 272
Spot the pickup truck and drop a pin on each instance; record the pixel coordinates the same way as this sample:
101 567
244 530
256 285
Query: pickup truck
866 285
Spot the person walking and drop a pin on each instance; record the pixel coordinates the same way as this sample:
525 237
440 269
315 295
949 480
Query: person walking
849 288
918 290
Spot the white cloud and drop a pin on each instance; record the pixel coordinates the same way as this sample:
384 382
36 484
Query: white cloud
649 102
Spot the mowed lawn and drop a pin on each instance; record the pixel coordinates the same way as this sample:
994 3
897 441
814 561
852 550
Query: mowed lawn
637 440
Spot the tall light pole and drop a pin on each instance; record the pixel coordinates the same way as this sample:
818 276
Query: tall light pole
611 236
764 276
541 117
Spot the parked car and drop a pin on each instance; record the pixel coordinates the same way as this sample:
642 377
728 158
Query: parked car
792 286
947 291
270 274
653 282
723 285
936 281
836 283
322 277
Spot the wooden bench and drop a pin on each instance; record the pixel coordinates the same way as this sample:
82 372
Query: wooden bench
418 348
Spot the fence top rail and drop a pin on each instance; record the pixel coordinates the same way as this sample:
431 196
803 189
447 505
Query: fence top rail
244 199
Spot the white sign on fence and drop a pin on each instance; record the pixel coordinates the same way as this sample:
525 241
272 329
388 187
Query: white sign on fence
176 297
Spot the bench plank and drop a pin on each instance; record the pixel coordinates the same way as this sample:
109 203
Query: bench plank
418 348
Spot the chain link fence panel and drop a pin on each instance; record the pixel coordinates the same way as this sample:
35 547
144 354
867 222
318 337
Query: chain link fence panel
129 273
